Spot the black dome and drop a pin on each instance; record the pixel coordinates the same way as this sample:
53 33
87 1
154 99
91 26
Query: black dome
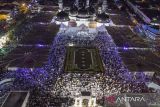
73 11
83 13
91 10
62 16
102 18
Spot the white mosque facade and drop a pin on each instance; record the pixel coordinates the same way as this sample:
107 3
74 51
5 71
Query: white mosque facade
82 14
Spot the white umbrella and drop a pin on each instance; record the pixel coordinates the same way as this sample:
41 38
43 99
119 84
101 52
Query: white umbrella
63 27
101 28
153 85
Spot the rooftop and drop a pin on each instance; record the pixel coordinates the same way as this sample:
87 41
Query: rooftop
124 37
28 56
15 99
140 60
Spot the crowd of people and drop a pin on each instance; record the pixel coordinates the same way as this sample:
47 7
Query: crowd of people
52 78
117 78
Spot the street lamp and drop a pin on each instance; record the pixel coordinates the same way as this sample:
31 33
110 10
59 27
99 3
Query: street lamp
23 4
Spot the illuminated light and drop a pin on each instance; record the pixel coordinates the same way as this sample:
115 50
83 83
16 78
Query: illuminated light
154 19
135 21
23 4
23 8
80 105
70 44
4 16
84 22
29 5
92 102
125 48
39 45
3 40
99 24
77 102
